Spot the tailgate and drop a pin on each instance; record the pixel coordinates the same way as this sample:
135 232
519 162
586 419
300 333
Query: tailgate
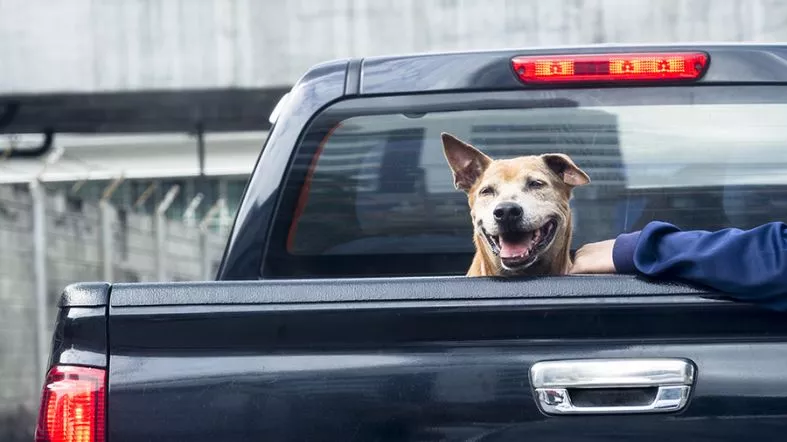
441 359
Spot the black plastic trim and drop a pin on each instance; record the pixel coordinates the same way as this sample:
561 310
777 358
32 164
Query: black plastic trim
85 294
323 291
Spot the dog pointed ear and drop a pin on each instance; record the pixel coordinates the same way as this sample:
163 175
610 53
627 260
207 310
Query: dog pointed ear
467 163
563 166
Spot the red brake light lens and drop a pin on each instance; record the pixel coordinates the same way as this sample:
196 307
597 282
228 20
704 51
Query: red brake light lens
664 66
72 405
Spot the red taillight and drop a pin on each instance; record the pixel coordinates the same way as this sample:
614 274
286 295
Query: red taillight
72 405
610 67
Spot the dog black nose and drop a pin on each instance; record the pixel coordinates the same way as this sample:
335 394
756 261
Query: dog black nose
507 212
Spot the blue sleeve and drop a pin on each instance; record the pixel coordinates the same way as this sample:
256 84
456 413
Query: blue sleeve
749 265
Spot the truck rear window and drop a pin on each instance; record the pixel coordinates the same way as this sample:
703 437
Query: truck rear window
370 193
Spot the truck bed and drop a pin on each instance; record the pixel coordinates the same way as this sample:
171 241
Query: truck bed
419 358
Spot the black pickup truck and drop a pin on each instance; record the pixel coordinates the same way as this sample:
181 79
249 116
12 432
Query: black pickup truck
341 312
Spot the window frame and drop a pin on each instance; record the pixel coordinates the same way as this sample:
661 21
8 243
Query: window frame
275 253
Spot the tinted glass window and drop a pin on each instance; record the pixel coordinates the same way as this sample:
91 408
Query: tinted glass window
375 195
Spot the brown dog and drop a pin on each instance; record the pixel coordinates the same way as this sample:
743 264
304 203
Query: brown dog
520 209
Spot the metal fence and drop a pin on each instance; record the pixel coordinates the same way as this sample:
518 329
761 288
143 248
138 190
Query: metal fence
48 241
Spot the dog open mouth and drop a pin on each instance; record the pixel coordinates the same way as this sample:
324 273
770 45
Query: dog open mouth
518 249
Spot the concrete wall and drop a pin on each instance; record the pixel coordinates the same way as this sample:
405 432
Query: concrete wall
73 255
93 45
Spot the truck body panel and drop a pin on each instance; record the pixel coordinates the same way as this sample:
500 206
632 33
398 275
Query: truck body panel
381 364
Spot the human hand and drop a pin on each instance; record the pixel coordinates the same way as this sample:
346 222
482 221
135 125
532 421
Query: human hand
594 258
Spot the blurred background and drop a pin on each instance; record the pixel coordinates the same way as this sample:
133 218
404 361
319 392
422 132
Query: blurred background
128 127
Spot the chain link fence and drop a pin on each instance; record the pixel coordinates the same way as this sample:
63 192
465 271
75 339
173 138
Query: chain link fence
49 240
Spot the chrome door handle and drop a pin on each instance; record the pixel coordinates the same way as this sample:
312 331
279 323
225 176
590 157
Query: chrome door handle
611 386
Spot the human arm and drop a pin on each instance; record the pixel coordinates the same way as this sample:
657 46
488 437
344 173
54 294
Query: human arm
750 265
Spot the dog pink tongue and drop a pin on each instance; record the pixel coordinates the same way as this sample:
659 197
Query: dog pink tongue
518 247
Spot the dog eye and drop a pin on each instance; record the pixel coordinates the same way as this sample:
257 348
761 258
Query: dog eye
488 190
536 184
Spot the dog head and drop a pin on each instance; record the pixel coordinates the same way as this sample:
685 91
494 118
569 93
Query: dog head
520 206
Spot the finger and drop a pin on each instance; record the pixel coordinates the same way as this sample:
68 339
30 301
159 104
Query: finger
577 269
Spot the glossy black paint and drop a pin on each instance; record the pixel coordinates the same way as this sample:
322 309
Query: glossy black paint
85 294
80 337
423 74
322 85
368 367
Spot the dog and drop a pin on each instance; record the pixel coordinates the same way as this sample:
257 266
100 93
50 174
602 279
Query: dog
519 208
